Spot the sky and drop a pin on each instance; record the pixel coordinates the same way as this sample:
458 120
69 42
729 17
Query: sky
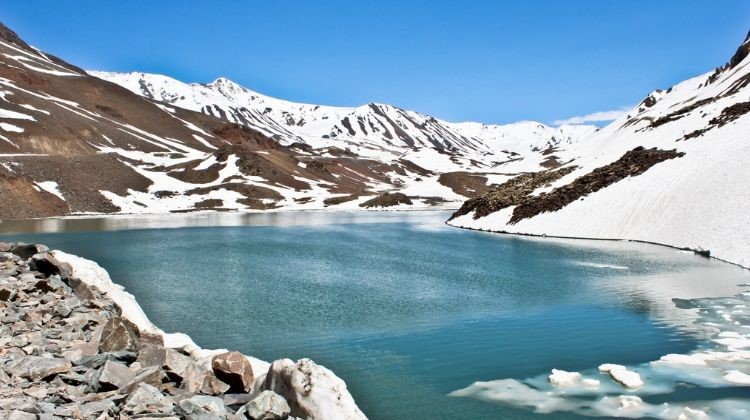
488 61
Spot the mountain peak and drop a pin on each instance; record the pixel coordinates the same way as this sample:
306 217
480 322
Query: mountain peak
741 52
9 35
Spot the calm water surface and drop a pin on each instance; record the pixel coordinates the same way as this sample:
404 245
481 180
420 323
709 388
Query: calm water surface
402 307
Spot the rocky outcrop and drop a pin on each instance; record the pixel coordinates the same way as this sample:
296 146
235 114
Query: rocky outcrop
75 345
632 163
509 193
387 200
519 191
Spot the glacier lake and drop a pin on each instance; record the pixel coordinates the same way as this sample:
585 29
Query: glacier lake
402 307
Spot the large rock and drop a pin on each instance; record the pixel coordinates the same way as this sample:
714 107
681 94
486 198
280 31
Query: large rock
147 399
26 251
94 408
171 360
200 380
203 406
111 376
119 334
311 390
48 265
267 406
36 368
234 369
152 375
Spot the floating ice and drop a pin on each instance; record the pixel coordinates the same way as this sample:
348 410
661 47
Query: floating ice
622 375
563 378
723 361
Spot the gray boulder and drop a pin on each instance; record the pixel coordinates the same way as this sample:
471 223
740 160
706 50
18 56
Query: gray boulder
267 406
203 406
146 398
119 334
48 265
199 380
36 368
25 251
111 376
170 359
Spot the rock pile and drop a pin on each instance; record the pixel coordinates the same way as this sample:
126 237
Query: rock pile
66 351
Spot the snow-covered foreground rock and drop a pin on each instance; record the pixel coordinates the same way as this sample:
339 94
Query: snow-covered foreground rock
673 171
77 345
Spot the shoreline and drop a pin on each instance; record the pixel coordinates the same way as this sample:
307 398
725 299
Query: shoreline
697 252
311 390
394 209
342 406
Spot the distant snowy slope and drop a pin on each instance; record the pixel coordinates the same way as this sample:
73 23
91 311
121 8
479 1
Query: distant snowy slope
370 130
691 191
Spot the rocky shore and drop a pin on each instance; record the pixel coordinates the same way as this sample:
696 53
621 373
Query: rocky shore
75 345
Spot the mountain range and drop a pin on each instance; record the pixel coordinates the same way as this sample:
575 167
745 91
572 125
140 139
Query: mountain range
77 142
672 171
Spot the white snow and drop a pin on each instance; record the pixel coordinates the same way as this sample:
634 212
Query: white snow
563 378
51 187
696 201
5 113
11 128
376 131
622 375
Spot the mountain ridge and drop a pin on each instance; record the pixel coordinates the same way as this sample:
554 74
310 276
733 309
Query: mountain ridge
72 143
671 172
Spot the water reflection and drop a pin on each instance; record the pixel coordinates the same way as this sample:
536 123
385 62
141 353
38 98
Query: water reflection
212 219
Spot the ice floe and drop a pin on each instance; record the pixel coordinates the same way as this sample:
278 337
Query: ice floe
722 361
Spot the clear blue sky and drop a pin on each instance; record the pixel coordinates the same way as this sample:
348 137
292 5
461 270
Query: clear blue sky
490 61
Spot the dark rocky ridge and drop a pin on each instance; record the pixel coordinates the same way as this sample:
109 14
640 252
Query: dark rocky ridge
510 192
517 191
632 163
387 200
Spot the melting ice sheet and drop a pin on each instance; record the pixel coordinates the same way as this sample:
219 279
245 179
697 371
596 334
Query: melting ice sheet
677 386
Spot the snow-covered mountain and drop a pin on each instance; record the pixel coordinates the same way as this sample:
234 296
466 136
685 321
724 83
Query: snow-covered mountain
373 130
73 143
673 171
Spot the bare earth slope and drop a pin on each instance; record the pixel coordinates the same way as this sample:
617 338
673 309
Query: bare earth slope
673 171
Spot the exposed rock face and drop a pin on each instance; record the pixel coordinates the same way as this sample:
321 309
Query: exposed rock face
518 191
632 163
387 200
234 369
509 193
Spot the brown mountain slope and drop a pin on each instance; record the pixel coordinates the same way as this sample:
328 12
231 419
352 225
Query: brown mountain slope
73 143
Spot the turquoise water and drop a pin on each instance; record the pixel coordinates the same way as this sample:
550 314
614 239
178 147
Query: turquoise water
400 306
